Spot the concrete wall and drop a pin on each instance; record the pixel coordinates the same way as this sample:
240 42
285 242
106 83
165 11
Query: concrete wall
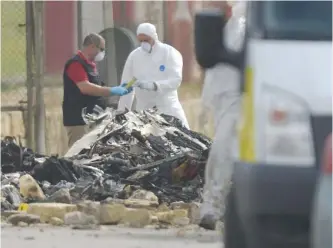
142 11
61 23
56 139
92 17
60 34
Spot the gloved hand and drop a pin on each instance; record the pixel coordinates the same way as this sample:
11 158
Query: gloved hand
130 89
118 91
146 85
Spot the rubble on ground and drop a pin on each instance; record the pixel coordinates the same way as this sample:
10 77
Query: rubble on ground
133 168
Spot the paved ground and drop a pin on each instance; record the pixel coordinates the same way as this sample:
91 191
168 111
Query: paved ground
106 237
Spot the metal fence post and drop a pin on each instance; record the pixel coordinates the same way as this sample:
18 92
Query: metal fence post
111 58
29 60
39 58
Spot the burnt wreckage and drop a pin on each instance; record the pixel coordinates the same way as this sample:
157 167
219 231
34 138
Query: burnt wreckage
124 152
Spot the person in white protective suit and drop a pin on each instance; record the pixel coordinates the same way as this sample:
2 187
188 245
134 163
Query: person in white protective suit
221 96
158 70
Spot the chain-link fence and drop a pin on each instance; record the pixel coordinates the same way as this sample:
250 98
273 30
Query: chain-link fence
13 50
21 69
13 68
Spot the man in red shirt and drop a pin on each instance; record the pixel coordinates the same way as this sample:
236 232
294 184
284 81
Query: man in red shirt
83 87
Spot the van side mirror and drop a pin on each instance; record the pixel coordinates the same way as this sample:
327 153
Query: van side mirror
209 41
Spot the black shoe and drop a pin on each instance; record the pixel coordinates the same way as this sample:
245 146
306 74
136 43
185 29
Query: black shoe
208 222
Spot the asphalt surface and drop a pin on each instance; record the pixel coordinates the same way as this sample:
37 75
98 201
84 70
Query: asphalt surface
105 237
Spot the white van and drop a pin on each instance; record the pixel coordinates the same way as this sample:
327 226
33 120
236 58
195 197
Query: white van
286 63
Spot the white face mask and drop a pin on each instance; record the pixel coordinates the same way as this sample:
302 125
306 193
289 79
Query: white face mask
146 46
99 56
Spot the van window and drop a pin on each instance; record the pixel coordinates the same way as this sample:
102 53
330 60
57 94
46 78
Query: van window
296 20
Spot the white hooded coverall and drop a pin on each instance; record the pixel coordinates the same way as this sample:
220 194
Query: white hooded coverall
163 66
221 95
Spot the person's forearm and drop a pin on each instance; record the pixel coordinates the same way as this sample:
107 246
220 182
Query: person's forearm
99 91
90 89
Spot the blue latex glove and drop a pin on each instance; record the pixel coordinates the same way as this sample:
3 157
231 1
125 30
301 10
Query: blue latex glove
130 89
118 91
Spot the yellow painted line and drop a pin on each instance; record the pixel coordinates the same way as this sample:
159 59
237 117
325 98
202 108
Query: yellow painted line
246 128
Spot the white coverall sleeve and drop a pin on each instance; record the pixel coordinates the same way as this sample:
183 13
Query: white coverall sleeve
127 100
174 70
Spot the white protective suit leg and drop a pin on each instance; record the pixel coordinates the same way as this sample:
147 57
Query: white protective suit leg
219 165
222 94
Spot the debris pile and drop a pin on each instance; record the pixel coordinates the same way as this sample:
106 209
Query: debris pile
133 166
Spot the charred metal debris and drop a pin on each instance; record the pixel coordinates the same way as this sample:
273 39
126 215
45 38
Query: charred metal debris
124 152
